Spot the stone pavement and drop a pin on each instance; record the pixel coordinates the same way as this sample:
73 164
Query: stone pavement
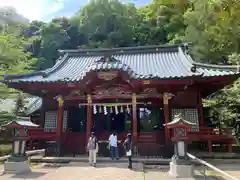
81 171
232 169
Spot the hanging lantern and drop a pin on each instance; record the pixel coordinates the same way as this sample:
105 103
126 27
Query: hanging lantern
100 109
105 110
94 109
121 109
116 109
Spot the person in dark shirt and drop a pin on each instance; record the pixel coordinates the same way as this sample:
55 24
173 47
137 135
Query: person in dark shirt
92 148
128 148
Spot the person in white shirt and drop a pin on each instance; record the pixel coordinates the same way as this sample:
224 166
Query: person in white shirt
113 146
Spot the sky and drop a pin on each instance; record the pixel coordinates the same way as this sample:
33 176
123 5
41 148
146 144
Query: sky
48 9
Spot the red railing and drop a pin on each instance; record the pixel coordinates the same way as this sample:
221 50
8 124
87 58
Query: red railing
213 134
39 134
204 134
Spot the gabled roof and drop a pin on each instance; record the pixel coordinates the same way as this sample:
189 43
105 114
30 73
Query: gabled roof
33 105
20 122
177 120
144 62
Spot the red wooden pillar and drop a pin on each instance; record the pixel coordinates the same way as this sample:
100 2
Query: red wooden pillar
166 116
89 117
200 110
60 117
134 118
30 145
230 147
210 146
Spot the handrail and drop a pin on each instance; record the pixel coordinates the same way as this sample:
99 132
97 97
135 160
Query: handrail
211 166
28 153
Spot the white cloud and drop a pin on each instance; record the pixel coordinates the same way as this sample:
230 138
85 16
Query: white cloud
34 9
57 5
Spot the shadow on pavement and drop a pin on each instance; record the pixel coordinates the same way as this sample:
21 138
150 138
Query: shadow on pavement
31 175
137 167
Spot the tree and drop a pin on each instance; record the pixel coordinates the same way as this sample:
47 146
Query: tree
213 28
107 23
54 36
14 59
163 22
19 104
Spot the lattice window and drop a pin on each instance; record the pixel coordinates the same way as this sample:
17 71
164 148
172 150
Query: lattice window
190 115
51 121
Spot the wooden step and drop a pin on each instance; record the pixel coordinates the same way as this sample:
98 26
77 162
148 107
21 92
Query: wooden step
147 138
150 149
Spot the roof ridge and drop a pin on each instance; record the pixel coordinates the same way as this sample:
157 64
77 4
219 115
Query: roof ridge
186 58
43 73
31 107
57 66
234 68
119 50
14 76
110 60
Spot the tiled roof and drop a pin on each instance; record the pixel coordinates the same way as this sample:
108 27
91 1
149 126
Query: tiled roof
33 105
21 123
151 62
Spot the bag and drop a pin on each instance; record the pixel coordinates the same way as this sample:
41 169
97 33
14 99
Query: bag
129 153
97 148
92 143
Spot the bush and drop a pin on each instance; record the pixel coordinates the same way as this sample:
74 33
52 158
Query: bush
5 149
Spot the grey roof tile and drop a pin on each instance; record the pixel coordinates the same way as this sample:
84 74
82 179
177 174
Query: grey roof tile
33 105
148 63
24 123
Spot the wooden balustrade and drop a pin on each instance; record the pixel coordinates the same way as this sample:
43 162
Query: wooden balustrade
39 134
203 134
214 134
209 135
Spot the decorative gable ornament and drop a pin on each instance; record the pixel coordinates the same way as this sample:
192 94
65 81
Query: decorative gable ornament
107 76
107 59
178 121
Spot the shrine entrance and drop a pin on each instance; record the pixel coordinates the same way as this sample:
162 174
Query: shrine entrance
118 122
109 117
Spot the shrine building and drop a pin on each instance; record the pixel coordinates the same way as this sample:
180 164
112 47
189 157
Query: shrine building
136 89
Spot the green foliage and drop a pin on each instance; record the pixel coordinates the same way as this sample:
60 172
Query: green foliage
6 117
19 104
213 28
107 23
226 103
5 149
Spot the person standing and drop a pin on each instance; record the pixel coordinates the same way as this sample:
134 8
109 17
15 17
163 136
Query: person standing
113 146
92 147
128 149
